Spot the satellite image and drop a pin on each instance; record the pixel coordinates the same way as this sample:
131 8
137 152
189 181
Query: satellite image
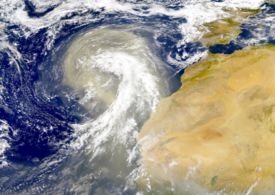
137 97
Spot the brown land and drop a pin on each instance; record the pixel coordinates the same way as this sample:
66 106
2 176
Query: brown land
219 128
225 30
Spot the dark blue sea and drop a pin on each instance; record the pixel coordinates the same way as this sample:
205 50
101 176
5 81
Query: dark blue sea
78 79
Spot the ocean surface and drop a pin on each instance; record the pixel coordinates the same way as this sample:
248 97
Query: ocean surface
78 79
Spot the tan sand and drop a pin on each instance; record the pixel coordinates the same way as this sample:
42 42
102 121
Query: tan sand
219 128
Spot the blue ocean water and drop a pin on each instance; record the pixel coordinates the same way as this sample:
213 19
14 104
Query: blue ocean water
40 110
251 32
30 109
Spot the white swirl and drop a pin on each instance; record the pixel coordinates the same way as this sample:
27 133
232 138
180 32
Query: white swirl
4 145
117 70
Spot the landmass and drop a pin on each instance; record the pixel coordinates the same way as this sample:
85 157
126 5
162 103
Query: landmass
218 129
227 29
